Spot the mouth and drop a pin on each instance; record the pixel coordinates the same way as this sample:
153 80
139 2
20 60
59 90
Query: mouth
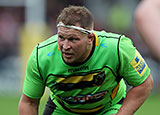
67 55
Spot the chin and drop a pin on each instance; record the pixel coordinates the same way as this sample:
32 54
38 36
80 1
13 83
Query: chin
68 61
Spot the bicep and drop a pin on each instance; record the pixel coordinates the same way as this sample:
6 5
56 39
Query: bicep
144 89
148 83
30 101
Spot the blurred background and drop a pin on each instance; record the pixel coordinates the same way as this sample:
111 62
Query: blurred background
24 23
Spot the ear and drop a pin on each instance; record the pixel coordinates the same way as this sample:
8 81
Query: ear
91 38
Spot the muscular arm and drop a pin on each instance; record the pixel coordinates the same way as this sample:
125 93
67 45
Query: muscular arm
136 97
147 20
28 106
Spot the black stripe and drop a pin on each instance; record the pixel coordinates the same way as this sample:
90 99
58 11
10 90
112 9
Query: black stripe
38 63
81 74
47 44
50 107
119 77
81 113
107 36
97 81
121 101
72 86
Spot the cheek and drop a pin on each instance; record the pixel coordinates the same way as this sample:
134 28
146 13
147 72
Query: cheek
80 48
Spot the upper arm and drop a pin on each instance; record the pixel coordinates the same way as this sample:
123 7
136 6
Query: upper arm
148 83
33 84
30 101
133 67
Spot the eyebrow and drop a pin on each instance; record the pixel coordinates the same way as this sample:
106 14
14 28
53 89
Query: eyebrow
69 36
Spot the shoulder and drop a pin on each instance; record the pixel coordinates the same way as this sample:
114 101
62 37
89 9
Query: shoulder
104 34
50 41
44 48
108 39
112 38
47 48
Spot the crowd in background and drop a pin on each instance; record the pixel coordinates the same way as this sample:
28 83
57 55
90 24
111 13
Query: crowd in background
110 15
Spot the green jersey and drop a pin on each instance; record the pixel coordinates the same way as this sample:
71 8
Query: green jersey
95 84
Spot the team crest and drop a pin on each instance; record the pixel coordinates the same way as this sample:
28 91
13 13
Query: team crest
99 79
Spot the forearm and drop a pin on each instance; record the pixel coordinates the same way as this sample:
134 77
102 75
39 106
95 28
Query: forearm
28 106
136 97
27 109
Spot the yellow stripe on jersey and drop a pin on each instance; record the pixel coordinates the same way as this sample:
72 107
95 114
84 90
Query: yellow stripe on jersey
86 111
76 79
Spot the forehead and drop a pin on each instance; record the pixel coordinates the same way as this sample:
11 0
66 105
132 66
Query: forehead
64 31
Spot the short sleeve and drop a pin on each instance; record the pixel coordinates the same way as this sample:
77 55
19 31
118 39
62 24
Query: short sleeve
33 83
133 67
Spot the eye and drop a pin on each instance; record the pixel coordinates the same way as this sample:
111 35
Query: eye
73 39
60 37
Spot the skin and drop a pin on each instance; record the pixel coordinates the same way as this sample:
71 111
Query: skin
74 45
147 21
28 106
136 97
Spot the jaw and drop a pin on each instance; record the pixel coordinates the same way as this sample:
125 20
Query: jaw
68 58
72 60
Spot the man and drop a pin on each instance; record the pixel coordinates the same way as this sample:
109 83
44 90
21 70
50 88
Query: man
147 20
84 70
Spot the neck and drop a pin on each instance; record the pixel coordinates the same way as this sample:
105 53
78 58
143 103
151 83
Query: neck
90 50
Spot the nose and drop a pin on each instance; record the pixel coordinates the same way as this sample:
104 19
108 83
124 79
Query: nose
66 45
